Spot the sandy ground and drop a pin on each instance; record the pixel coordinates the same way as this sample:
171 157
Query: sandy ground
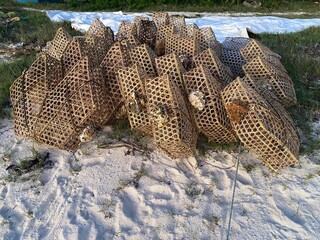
105 194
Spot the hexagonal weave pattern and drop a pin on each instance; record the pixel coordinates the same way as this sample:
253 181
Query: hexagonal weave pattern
178 22
116 58
278 81
147 32
29 91
210 59
260 127
167 77
234 60
132 81
59 44
98 39
144 56
77 101
173 127
162 33
126 29
172 66
188 46
160 18
254 48
212 120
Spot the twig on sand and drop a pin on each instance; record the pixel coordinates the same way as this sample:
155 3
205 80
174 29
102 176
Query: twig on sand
122 143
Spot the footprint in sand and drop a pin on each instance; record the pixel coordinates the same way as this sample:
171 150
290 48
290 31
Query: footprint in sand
221 180
4 192
133 205
289 209
15 219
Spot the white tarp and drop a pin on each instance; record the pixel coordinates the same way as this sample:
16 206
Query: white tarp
223 26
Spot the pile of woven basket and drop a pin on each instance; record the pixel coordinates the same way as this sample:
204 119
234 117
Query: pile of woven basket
170 79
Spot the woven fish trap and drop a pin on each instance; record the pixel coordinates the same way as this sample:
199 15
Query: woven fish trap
231 55
77 101
273 102
178 22
251 48
144 56
29 91
126 29
162 32
235 43
173 128
147 32
172 66
98 29
99 39
59 44
189 30
254 48
160 18
207 107
279 81
101 97
185 48
234 60
209 59
207 39
42 76
19 109
116 58
45 72
131 42
75 51
138 19
260 127
132 81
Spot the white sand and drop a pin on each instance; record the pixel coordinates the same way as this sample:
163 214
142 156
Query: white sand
97 194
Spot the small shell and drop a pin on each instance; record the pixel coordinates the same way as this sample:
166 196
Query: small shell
196 100
87 134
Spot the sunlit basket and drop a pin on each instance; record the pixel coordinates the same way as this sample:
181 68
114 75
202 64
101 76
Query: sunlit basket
278 81
260 126
99 39
59 44
144 56
208 110
209 59
173 128
132 81
172 66
79 100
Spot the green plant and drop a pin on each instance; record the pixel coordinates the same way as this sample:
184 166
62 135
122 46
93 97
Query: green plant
249 167
9 72
303 66
108 208
35 29
193 189
134 181
309 176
